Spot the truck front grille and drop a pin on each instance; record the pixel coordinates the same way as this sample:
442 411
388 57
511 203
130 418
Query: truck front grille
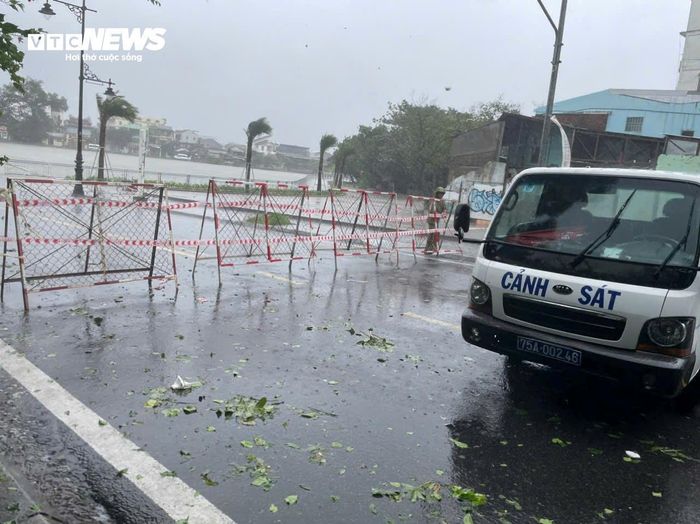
568 319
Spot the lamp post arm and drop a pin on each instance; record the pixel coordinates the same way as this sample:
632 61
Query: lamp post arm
546 13
77 10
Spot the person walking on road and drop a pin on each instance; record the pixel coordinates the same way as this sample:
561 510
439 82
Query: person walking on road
436 207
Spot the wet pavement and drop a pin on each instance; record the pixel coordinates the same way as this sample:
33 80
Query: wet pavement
367 382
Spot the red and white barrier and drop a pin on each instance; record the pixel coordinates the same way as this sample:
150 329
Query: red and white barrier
82 234
123 232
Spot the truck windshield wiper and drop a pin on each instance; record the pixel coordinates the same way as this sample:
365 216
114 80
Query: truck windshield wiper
683 241
604 235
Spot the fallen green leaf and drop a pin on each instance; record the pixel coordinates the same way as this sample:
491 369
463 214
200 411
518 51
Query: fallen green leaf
459 444
208 480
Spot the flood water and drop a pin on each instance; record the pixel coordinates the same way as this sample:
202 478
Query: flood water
59 162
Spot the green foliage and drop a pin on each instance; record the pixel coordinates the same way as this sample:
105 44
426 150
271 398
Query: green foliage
407 149
327 141
274 219
11 57
116 106
24 110
255 128
258 127
246 410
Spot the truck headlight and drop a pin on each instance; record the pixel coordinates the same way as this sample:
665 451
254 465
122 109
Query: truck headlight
667 332
480 294
669 336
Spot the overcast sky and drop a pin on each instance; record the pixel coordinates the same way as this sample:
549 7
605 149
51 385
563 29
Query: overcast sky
316 66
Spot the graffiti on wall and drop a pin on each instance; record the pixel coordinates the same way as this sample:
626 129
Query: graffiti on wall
484 200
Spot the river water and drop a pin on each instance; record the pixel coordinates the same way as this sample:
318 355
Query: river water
59 162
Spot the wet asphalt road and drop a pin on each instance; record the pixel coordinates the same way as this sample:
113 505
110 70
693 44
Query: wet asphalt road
378 414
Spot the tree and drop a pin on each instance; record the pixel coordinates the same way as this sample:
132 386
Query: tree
256 128
408 149
11 57
327 141
25 111
340 159
107 108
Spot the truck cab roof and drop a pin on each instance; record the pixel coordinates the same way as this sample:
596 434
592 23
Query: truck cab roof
617 172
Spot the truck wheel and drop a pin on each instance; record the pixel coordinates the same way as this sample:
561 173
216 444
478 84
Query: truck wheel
688 402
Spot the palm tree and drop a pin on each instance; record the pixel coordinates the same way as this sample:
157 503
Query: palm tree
256 128
344 151
327 141
115 106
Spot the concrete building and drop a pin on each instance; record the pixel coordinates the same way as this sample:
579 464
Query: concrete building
637 111
264 145
689 70
645 112
293 151
187 136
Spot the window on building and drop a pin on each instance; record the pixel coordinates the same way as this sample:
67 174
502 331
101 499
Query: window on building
688 132
634 124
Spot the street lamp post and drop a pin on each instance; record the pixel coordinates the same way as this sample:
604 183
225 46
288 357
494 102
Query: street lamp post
85 74
556 60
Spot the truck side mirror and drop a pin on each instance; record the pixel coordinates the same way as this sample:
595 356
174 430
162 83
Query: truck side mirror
461 221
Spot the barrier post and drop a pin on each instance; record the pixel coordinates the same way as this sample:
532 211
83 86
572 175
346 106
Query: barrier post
155 237
172 243
216 229
296 229
20 251
357 216
392 203
4 241
409 202
92 223
266 219
201 227
366 201
333 224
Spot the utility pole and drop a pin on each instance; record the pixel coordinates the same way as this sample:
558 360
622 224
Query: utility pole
556 60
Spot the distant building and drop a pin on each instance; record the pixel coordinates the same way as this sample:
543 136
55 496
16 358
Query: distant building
293 151
235 150
187 136
70 130
645 112
210 143
264 145
635 111
4 133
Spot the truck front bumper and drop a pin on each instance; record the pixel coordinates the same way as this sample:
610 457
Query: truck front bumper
665 376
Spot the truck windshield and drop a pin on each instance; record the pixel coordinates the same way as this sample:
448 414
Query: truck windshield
652 222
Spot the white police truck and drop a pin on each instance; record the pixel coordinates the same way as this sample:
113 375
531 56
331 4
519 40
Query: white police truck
595 270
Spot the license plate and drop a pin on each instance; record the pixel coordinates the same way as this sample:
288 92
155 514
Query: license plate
545 349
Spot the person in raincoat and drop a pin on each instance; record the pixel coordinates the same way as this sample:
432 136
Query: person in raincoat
436 207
